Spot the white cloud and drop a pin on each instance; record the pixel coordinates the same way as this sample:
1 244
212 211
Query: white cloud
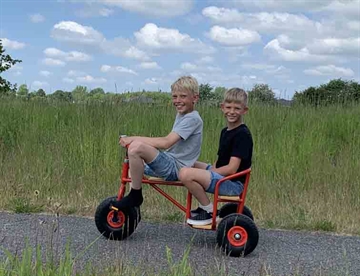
152 81
71 31
90 79
93 9
135 53
293 49
12 44
188 66
162 8
74 73
53 62
39 84
296 5
234 36
53 52
68 56
329 70
123 48
16 69
77 56
191 67
75 33
116 69
267 68
335 46
205 59
274 22
149 65
347 7
36 18
68 80
158 38
45 73
275 49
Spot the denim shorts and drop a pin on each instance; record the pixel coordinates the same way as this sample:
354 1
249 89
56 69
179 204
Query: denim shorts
163 166
228 187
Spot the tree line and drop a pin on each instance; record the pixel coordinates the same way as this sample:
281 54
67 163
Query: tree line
336 91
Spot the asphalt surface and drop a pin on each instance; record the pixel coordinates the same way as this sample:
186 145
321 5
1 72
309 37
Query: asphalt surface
278 252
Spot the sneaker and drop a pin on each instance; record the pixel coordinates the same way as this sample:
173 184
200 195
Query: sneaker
202 218
195 212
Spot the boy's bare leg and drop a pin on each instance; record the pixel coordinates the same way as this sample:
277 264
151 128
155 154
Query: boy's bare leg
200 165
138 152
196 181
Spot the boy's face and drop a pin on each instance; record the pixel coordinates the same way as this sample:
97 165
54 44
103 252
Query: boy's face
184 101
233 111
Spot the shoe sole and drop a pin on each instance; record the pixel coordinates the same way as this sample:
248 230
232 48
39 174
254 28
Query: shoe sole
201 222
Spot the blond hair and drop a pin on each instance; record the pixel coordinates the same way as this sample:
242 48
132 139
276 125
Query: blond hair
187 83
236 95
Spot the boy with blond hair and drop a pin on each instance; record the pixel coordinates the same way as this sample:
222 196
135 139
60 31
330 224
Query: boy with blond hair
234 155
165 156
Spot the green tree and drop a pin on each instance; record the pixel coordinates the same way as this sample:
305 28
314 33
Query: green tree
41 93
336 91
60 95
97 90
261 93
219 93
23 91
205 91
6 62
80 93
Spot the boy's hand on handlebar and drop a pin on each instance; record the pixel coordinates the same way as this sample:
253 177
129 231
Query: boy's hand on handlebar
125 141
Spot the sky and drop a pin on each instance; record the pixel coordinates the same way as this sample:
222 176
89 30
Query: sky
130 45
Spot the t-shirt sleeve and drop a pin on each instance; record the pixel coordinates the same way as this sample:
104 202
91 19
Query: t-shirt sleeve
241 147
186 127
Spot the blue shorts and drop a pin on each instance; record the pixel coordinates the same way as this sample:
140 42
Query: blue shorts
228 187
163 166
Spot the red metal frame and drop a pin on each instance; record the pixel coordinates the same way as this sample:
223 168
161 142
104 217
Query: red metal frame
124 179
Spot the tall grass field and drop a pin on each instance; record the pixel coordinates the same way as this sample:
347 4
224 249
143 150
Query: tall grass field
66 158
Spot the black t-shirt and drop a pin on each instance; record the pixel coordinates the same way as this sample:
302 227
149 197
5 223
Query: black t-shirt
236 142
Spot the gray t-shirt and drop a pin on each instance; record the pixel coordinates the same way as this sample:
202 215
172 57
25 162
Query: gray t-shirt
187 150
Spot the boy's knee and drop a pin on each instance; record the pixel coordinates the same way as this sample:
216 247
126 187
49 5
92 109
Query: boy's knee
185 174
135 148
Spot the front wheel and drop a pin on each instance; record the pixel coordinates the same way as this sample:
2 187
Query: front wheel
116 225
237 235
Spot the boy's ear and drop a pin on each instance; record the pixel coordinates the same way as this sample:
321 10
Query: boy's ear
196 98
246 109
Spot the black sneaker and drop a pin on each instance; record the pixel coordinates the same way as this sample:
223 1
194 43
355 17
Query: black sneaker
202 218
195 212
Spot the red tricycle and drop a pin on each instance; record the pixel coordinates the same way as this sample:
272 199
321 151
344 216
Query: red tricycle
236 232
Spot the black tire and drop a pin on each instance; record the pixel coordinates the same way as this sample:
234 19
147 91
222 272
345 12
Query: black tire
116 225
237 235
231 208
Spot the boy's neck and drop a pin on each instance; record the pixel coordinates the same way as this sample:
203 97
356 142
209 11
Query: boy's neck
231 126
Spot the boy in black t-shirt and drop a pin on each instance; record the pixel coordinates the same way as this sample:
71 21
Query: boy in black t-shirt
234 155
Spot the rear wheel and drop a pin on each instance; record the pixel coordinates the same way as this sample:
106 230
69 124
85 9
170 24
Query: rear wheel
116 225
237 235
231 208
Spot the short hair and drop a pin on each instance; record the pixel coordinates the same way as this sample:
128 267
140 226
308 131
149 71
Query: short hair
187 83
236 95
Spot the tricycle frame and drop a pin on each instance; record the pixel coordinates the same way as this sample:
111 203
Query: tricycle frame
154 182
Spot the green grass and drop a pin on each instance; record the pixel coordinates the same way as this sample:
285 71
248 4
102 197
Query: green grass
305 166
37 261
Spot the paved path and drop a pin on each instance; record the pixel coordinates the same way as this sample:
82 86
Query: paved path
278 252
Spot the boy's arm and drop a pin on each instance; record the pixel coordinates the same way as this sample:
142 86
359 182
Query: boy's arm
230 168
156 142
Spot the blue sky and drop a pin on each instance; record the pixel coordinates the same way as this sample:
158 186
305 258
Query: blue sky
142 44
